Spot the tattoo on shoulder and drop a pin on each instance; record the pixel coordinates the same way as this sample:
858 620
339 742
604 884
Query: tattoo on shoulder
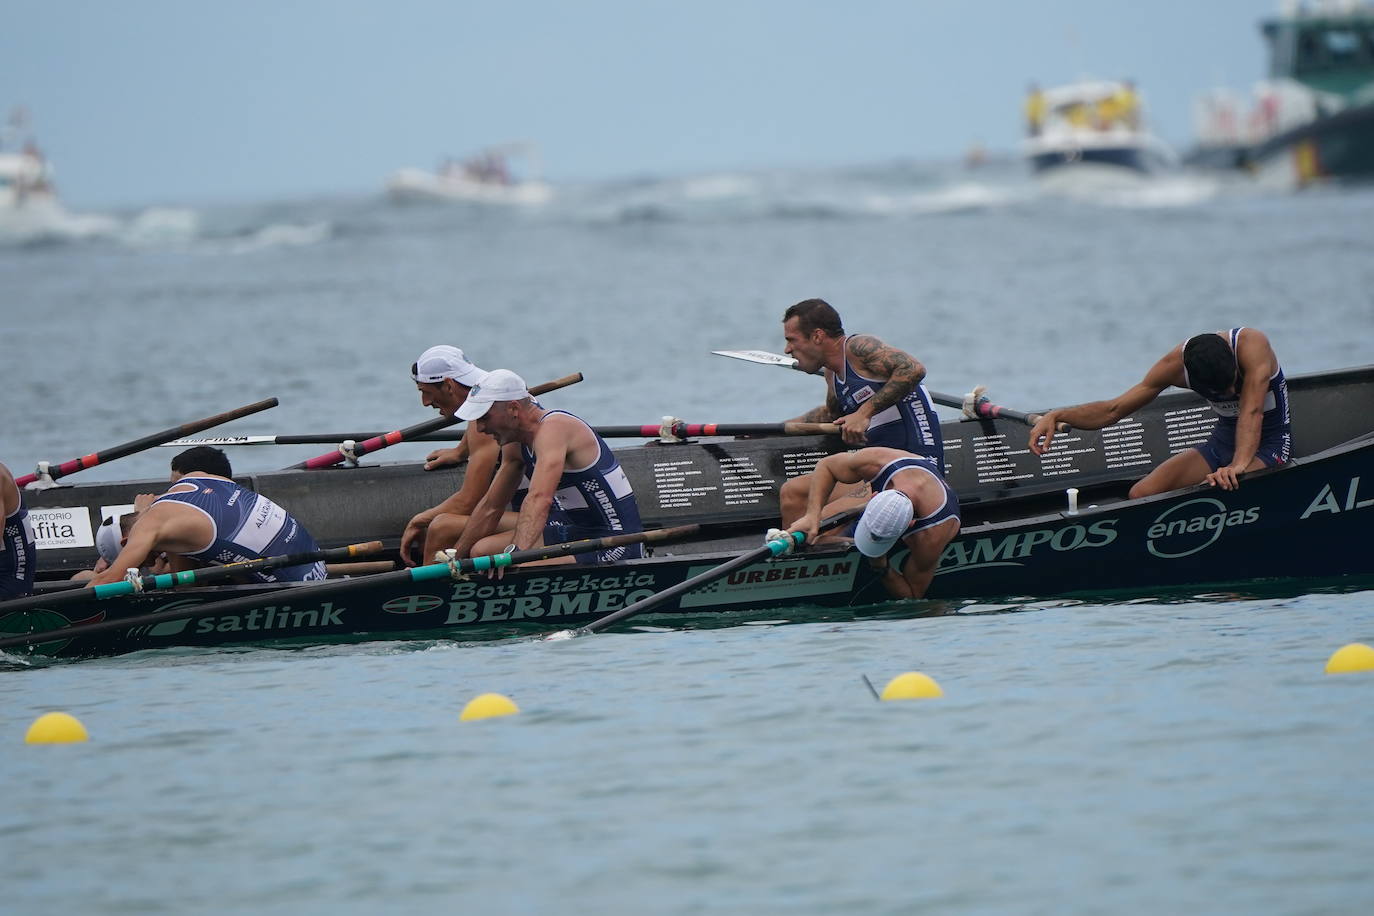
888 362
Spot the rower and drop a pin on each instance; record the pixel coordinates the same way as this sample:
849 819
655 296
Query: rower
1237 372
444 377
208 519
911 503
577 488
17 556
873 393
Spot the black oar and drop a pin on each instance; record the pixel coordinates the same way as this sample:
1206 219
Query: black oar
209 575
377 443
322 590
772 548
974 405
104 456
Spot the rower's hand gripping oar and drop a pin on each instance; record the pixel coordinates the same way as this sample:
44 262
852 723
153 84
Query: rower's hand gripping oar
975 405
47 473
351 451
455 569
776 545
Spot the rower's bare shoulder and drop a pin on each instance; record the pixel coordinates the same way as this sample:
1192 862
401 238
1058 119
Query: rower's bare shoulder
880 359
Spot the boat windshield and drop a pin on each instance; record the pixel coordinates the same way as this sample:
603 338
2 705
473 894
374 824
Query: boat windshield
1337 48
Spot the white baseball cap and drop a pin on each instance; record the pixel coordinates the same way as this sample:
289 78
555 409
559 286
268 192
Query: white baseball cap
107 538
441 362
500 385
885 519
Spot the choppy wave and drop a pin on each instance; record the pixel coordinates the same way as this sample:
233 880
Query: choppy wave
158 227
896 191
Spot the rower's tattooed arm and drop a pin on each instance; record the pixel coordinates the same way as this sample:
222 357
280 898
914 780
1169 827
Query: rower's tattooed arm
902 371
823 414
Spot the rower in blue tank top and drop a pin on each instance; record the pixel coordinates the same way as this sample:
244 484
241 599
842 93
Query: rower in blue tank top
910 424
17 557
596 500
576 487
873 393
1276 431
1239 375
206 518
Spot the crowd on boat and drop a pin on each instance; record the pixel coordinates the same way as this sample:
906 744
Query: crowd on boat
1111 105
538 476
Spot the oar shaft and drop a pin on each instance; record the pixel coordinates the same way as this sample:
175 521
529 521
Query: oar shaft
410 433
206 576
772 548
104 456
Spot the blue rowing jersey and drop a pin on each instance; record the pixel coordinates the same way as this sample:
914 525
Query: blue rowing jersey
594 501
17 554
910 425
247 526
1277 419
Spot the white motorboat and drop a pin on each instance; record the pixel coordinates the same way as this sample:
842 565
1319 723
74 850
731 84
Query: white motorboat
1092 127
483 178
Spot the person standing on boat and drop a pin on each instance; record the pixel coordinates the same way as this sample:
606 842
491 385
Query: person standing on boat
207 519
911 503
577 489
1239 375
873 393
17 556
1035 110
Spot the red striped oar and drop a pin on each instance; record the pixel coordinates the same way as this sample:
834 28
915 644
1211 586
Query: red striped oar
680 429
975 405
410 433
105 456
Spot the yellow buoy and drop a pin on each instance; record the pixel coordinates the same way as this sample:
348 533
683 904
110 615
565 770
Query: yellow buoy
1354 657
56 728
912 686
487 706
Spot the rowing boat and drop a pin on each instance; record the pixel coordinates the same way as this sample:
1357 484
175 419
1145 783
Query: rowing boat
1021 536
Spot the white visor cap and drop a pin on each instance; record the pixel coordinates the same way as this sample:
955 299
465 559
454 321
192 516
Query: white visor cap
107 538
886 518
441 362
499 386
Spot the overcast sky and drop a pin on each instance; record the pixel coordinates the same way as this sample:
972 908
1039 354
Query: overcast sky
140 102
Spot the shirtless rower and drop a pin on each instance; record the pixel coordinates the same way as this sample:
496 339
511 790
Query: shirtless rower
207 519
873 393
911 503
1239 375
444 376
577 488
17 556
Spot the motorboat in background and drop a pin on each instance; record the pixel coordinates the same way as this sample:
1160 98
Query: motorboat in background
486 177
1092 128
1313 117
28 199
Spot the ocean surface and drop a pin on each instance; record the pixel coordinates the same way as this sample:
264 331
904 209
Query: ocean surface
1158 754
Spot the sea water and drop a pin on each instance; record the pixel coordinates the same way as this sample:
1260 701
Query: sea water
1151 754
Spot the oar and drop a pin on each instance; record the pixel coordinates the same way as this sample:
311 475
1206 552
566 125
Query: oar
975 405
210 575
104 456
678 429
772 548
321 590
376 443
